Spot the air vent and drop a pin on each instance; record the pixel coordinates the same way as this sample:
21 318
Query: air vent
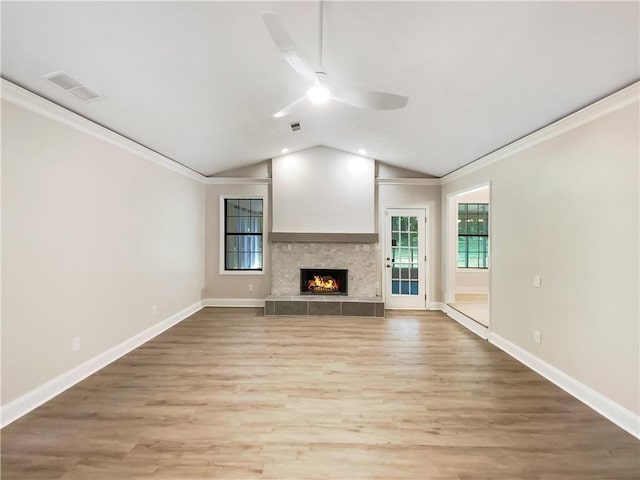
295 126
72 86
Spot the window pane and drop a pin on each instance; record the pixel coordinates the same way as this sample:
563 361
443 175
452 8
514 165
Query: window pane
256 207
404 224
462 226
472 225
256 224
244 224
232 243
395 238
232 224
413 241
404 239
413 224
232 261
395 223
395 287
244 205
243 239
232 208
414 288
404 288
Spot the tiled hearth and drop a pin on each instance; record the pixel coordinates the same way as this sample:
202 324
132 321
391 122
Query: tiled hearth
324 305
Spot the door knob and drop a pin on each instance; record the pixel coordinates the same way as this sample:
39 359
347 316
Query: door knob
388 266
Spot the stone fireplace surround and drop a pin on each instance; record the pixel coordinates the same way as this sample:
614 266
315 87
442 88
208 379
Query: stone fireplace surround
287 258
286 265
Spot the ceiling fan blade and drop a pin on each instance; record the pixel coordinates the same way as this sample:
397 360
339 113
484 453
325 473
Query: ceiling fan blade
366 99
289 108
285 44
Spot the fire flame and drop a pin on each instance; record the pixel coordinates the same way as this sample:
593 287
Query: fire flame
323 284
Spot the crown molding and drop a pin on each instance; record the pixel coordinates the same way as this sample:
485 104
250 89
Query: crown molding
35 103
607 105
237 181
409 181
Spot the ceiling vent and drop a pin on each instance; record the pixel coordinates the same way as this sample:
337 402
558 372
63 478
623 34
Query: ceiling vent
72 86
295 126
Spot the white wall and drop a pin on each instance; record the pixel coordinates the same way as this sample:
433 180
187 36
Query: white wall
92 236
322 190
234 285
567 209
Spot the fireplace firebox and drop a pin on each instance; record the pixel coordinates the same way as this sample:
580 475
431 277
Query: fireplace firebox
324 281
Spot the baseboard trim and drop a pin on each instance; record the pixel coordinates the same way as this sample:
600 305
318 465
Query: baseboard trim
606 407
24 404
475 327
435 306
233 302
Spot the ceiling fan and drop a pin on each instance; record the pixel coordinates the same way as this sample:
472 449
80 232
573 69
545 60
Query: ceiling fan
322 89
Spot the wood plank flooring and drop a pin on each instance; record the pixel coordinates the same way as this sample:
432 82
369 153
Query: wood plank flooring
228 393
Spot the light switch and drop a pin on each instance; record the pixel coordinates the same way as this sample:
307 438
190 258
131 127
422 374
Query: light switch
536 281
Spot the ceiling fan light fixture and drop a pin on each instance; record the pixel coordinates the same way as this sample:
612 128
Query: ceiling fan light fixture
318 94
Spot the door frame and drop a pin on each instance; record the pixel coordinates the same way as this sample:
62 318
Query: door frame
451 258
427 208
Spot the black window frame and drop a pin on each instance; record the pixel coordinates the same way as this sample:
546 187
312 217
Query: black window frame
228 234
468 235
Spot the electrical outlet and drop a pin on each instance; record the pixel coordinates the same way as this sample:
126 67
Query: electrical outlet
357 247
288 246
154 309
365 248
75 344
537 336
536 281
251 287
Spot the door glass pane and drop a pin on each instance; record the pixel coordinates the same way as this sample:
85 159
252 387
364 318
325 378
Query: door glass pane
404 253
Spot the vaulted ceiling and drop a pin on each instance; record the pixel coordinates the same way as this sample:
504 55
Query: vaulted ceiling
199 81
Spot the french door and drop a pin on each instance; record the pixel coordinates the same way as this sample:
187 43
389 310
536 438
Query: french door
404 259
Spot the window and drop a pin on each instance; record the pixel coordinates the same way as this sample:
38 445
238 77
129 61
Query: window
473 235
243 234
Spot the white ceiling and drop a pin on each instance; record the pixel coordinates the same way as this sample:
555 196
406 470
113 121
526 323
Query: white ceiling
198 81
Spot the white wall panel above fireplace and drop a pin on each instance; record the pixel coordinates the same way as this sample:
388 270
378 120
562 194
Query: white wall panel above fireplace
322 190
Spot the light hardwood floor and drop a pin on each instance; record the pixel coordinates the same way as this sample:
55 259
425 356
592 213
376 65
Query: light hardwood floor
229 393
474 306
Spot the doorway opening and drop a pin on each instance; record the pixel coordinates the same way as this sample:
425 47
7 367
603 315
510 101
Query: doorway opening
468 283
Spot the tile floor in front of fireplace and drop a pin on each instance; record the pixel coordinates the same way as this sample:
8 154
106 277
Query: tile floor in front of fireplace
339 305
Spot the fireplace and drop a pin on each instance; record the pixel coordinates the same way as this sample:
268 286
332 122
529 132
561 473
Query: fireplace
324 281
